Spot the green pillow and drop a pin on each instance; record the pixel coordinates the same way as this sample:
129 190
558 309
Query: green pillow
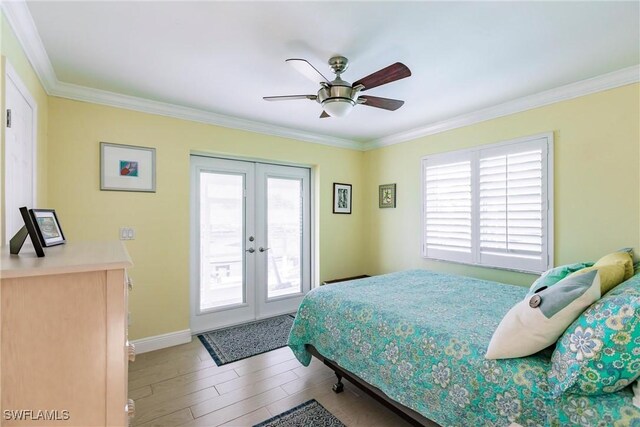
553 276
600 352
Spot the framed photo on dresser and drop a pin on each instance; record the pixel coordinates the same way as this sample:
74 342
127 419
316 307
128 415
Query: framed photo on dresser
47 226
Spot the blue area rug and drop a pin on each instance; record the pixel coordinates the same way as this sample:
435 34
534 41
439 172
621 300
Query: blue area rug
239 342
310 413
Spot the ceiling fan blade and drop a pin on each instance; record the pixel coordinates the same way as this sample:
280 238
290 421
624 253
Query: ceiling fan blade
388 74
324 114
289 97
384 103
305 68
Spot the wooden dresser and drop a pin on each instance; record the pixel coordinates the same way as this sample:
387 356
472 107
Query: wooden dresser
64 348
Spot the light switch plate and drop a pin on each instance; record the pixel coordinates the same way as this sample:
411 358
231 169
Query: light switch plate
127 233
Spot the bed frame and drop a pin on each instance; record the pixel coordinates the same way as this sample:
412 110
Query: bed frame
411 416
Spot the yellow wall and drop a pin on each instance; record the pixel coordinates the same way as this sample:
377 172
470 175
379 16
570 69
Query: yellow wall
597 205
597 174
597 201
11 51
160 301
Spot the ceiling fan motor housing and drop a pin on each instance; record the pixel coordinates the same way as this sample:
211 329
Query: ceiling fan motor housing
337 93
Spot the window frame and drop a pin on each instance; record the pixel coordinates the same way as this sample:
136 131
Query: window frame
511 263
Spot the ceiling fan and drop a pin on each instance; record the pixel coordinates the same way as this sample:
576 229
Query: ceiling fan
338 97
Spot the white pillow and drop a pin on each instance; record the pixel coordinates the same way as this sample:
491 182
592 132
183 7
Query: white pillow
538 321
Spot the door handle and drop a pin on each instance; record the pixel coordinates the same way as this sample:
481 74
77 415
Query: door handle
263 249
251 250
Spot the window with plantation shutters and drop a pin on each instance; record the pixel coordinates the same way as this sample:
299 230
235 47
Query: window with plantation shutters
447 215
490 205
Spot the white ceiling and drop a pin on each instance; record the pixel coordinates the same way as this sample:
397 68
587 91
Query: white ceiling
223 57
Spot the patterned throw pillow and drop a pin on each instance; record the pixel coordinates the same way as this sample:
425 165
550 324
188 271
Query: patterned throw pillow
536 322
600 352
554 275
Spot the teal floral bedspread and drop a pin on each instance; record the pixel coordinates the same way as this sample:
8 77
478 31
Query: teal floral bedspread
421 337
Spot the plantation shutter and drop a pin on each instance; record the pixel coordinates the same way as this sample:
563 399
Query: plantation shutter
448 208
511 203
490 205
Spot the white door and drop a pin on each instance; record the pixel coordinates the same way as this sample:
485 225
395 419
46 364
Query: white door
250 256
283 228
19 153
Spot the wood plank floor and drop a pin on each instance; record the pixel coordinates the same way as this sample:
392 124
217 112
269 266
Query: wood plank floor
182 386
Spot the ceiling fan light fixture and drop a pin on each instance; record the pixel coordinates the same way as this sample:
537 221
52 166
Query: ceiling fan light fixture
338 107
338 99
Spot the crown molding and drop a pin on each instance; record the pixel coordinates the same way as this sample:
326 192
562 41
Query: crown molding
607 81
112 99
21 22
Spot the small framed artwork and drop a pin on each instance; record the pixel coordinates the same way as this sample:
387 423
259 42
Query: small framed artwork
341 198
47 227
127 168
387 196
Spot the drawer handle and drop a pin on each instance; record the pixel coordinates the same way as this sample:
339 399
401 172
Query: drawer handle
130 408
129 283
131 351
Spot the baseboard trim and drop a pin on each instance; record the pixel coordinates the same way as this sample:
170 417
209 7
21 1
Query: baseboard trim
157 342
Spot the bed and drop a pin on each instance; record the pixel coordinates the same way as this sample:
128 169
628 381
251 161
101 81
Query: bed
417 338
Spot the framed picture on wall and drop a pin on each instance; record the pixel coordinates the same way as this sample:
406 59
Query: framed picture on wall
341 198
127 168
387 196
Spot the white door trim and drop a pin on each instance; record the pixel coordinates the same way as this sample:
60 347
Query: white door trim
225 156
11 74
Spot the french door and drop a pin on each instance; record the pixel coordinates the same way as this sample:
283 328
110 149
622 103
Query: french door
250 234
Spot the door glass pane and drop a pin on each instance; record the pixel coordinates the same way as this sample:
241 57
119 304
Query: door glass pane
221 240
284 234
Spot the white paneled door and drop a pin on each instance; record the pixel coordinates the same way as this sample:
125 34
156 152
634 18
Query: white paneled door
250 238
19 153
